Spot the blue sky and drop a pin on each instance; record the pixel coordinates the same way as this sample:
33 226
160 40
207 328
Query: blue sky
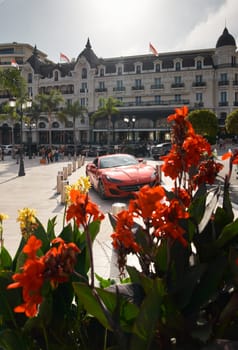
116 28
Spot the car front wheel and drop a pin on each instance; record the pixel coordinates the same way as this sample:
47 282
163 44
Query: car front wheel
101 190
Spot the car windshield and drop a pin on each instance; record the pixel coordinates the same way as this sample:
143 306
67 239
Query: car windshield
117 161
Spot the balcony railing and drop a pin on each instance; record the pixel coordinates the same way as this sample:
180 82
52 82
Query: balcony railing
101 90
157 86
199 83
141 87
198 104
223 82
235 82
119 88
223 104
177 85
235 103
156 103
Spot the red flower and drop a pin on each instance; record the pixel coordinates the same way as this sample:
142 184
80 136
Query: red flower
31 280
123 233
82 209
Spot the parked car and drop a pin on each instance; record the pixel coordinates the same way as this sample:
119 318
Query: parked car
160 150
119 175
7 149
136 149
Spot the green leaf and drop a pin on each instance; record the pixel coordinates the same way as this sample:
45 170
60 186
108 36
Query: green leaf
149 314
11 339
229 232
111 301
9 298
208 284
5 259
104 283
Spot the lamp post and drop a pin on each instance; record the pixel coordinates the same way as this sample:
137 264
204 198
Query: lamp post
30 124
130 121
23 105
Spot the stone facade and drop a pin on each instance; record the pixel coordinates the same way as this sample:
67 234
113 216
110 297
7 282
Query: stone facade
149 87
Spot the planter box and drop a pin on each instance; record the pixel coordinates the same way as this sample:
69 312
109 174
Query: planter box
42 161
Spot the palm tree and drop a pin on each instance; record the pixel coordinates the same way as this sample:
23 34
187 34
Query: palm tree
74 110
49 103
108 108
13 83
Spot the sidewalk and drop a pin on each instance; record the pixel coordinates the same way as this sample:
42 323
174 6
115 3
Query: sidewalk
37 190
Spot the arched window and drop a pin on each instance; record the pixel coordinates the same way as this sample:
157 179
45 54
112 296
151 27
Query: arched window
56 75
42 125
84 73
199 64
177 66
55 125
157 67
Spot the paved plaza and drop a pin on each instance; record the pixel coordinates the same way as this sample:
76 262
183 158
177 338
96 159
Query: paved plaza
38 190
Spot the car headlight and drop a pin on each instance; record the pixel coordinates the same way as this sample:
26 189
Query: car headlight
111 179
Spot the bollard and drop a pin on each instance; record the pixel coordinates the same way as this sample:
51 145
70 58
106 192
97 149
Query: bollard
65 173
158 174
80 161
69 169
59 182
74 165
118 207
63 192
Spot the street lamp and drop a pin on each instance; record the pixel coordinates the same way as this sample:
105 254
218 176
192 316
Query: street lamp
23 105
130 121
30 124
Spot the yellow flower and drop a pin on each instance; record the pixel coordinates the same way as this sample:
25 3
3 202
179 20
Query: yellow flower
27 219
83 185
3 217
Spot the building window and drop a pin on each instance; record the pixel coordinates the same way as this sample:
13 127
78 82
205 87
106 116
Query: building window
223 98
29 80
42 125
84 87
138 69
177 66
199 64
199 97
177 98
223 79
157 82
138 83
119 72
84 73
30 93
177 80
158 99
83 101
138 100
101 85
101 72
157 67
56 76
198 79
233 60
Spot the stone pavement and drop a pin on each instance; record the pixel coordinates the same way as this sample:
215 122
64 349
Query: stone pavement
37 189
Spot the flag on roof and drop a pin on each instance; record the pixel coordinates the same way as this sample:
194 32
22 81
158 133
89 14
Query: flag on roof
14 63
153 50
64 58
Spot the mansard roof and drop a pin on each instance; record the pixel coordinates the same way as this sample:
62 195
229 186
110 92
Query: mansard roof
89 54
225 39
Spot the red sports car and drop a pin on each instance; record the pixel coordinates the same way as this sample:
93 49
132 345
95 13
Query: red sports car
119 175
